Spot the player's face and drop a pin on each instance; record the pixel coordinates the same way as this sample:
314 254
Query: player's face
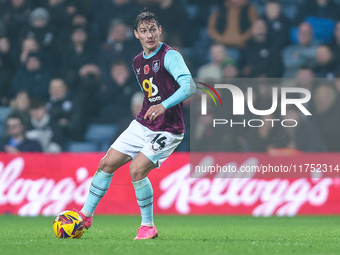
148 34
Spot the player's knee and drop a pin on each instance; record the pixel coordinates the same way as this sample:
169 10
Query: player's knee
136 172
107 165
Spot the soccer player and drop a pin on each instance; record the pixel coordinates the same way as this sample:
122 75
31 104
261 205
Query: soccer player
157 130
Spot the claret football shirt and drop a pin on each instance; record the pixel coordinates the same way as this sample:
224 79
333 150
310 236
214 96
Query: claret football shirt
157 75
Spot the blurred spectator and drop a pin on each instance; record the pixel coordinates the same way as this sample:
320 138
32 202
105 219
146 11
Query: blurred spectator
21 104
305 78
119 45
32 77
3 31
61 12
89 85
231 23
125 10
200 11
304 136
322 15
165 10
66 111
67 38
15 140
40 28
78 53
135 107
326 66
28 46
277 24
335 44
82 6
269 136
202 131
229 69
90 74
116 95
79 19
7 67
206 138
327 9
15 16
42 129
325 114
337 81
259 59
213 69
303 53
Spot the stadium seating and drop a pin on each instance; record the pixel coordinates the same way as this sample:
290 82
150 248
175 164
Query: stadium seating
80 147
100 135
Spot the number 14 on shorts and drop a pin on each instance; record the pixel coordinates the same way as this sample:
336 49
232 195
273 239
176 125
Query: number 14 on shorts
158 142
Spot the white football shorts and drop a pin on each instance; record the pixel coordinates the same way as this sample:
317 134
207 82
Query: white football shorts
156 145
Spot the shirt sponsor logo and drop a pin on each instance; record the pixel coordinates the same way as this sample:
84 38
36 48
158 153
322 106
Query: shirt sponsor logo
154 99
151 89
156 65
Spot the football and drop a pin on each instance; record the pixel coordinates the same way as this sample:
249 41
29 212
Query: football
68 224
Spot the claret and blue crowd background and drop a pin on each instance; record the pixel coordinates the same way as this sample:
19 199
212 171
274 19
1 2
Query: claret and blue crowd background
74 58
66 73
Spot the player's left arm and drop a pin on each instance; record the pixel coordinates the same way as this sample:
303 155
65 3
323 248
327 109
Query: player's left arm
175 65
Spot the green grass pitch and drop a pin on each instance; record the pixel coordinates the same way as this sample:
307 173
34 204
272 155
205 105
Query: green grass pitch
177 235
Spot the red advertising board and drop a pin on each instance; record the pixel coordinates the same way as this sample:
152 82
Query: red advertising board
46 184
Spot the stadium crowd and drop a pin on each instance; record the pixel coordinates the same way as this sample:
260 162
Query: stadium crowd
66 82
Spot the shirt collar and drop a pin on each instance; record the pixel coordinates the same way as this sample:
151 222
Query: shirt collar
153 53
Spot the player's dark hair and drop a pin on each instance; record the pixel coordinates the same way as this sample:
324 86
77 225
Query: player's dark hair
146 16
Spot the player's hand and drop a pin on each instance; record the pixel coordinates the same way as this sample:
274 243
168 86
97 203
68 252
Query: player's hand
154 111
